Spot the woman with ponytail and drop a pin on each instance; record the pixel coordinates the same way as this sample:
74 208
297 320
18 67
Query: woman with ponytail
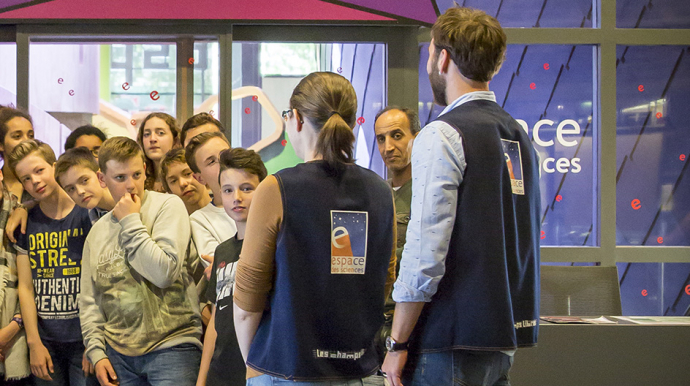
319 254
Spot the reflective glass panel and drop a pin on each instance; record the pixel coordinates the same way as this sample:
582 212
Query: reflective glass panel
652 14
8 74
111 86
653 146
264 75
533 13
206 77
660 289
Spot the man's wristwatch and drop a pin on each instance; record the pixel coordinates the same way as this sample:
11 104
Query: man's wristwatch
19 321
392 345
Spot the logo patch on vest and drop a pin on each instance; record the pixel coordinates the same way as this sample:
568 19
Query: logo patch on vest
511 150
337 354
349 242
526 323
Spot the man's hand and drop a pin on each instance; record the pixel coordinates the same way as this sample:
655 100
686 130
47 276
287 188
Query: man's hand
128 204
207 270
17 218
406 316
41 362
393 366
86 366
105 373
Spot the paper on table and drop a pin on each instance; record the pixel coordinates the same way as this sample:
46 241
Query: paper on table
562 319
576 320
600 320
655 320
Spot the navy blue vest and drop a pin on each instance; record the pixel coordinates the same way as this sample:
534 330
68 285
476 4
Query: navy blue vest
332 255
488 298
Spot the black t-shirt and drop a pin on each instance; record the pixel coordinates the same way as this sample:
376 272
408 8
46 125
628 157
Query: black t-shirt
227 366
55 249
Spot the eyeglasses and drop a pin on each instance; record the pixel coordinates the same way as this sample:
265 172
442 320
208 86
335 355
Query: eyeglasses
286 114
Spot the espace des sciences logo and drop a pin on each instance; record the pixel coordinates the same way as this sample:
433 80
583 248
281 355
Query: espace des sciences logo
568 127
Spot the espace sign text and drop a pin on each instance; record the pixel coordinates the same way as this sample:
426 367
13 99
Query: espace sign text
565 131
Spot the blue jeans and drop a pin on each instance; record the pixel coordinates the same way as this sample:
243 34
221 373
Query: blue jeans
174 366
458 367
66 357
267 380
19 382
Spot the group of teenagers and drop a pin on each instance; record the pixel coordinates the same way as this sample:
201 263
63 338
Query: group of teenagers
86 291
174 259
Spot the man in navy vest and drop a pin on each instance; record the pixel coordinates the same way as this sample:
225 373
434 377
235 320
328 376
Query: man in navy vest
468 290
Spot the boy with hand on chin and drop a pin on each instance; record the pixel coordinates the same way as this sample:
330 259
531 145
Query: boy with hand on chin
241 171
48 269
139 311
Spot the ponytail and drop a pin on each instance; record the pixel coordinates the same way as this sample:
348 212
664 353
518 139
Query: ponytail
336 141
329 102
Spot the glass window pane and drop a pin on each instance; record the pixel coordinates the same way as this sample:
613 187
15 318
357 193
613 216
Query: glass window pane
652 14
653 181
143 78
63 89
533 13
256 106
288 59
549 89
657 289
111 86
263 84
8 74
206 77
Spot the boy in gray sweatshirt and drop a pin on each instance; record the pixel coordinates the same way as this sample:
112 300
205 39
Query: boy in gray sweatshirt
138 306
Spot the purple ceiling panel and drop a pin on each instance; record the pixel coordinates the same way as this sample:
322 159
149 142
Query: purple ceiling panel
8 5
424 11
